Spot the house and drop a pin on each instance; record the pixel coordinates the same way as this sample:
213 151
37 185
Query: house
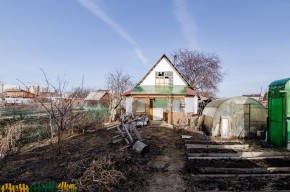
18 93
163 94
100 97
47 96
18 96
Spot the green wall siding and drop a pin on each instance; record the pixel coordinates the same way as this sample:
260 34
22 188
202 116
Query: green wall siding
278 109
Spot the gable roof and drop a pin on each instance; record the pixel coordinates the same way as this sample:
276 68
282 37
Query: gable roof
165 57
96 95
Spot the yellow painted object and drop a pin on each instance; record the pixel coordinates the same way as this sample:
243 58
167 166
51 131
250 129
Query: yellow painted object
72 187
22 188
8 187
64 186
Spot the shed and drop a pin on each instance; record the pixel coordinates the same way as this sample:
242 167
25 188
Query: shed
234 117
279 113
98 97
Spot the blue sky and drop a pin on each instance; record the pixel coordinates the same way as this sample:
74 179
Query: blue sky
91 38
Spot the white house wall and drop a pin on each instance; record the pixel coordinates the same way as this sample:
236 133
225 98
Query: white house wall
128 105
163 65
191 104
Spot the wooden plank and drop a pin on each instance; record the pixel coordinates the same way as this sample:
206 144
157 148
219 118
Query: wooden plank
122 134
253 170
186 136
241 154
125 127
134 129
214 170
188 141
117 140
278 169
210 158
201 146
241 175
112 125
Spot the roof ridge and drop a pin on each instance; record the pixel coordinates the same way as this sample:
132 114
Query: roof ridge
172 64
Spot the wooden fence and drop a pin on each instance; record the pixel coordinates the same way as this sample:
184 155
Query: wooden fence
39 187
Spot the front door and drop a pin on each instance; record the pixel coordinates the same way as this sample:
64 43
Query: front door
157 114
157 108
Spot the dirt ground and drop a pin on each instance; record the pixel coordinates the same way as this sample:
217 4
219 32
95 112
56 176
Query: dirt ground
164 168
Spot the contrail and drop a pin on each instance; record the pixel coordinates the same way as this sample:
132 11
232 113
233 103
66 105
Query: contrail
186 21
97 11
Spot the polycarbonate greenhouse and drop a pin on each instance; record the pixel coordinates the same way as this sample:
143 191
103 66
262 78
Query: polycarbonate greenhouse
235 117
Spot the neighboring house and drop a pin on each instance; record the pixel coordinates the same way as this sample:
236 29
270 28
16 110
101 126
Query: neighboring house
18 93
18 96
163 94
98 97
49 96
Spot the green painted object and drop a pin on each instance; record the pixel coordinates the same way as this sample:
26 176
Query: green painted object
51 186
160 90
279 113
43 187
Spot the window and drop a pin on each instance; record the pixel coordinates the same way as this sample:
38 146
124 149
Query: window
176 104
140 105
164 78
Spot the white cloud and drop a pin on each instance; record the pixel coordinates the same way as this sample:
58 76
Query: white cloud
141 56
97 11
186 21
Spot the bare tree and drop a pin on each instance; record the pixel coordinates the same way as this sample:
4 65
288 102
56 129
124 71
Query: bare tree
82 91
118 82
202 71
60 107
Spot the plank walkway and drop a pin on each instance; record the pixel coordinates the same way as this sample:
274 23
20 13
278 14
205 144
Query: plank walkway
239 155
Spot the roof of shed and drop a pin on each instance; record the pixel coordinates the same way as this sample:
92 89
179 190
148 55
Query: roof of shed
279 82
96 95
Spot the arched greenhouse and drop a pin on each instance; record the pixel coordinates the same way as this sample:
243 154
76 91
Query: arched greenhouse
235 117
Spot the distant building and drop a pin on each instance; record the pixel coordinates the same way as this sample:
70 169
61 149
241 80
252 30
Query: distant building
257 97
11 87
36 89
98 97
1 87
18 93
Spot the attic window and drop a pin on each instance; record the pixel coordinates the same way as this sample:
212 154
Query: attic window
164 78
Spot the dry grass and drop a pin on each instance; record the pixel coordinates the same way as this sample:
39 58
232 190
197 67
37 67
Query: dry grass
8 142
85 121
101 175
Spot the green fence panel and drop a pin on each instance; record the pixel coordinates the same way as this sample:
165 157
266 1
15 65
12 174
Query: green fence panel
51 186
35 187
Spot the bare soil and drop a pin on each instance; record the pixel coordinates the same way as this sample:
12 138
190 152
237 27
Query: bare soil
164 168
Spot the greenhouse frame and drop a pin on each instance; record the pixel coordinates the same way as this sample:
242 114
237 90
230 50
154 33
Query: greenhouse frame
238 117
